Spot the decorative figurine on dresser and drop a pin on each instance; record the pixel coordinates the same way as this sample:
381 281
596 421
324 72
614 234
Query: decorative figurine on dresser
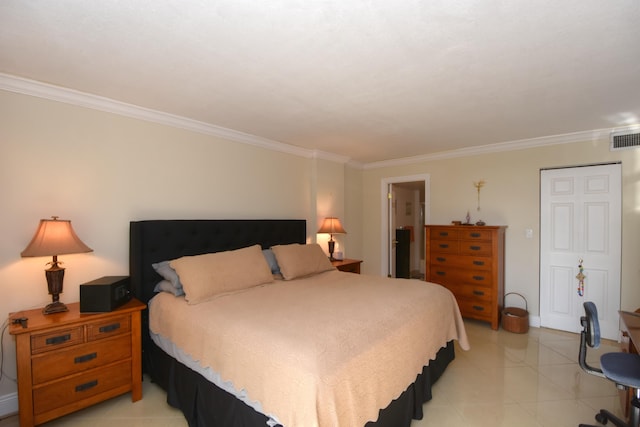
469 261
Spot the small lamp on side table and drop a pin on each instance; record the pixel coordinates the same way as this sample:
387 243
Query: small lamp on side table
331 225
54 237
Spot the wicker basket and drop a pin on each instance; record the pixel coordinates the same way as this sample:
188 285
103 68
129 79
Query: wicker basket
515 319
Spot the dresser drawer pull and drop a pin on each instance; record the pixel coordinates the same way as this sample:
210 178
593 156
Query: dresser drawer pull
478 308
109 328
444 233
476 234
475 248
85 358
443 245
441 259
478 278
479 293
441 273
87 386
58 340
478 262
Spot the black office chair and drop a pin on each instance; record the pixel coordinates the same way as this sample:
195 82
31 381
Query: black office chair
621 368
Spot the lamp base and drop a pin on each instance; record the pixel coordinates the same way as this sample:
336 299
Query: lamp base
55 307
332 246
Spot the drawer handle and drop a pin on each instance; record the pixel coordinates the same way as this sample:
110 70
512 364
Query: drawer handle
475 234
444 233
478 278
475 248
109 328
478 262
443 245
478 308
87 386
58 340
441 273
441 259
479 293
85 358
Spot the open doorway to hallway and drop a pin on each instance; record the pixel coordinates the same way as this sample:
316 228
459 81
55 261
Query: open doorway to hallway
405 212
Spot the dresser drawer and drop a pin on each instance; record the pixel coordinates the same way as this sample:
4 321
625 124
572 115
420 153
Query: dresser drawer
461 261
57 339
80 358
477 309
479 248
477 293
70 390
469 292
475 235
446 274
475 278
444 233
445 246
108 328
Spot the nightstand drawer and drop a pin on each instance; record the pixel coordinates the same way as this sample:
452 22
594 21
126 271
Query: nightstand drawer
70 390
351 268
53 340
80 358
108 328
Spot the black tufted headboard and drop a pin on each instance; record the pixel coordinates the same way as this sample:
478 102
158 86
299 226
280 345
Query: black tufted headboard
162 240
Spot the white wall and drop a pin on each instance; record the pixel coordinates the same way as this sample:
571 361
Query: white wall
102 170
510 197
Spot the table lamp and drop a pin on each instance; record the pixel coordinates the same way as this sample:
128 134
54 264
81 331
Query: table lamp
54 237
331 225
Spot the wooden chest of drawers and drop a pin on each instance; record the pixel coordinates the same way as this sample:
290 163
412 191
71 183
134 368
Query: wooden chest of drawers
469 261
68 361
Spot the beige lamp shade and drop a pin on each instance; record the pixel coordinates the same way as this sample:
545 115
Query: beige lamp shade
54 237
331 225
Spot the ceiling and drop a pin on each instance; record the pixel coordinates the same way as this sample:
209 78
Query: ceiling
371 80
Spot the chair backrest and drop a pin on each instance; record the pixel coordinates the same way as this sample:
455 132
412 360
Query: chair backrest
590 336
592 325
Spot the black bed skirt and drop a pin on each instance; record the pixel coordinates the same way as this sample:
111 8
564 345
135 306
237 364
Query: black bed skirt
206 405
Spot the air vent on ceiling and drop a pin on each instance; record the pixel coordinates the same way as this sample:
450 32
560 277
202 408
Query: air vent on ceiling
625 140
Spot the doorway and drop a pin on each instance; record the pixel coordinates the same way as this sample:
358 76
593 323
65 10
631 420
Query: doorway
580 245
405 211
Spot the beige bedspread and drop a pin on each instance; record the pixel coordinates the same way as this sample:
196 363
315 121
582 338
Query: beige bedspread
329 350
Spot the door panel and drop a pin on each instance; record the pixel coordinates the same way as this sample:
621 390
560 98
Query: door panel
580 218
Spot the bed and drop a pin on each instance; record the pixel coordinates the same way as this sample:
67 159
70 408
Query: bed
278 370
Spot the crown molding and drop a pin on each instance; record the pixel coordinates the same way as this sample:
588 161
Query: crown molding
25 86
324 155
521 144
69 96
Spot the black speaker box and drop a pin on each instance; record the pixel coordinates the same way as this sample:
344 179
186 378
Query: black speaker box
104 294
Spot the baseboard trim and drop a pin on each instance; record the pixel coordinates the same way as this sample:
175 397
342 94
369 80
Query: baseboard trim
8 404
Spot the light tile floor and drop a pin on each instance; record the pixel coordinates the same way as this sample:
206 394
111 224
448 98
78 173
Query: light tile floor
506 379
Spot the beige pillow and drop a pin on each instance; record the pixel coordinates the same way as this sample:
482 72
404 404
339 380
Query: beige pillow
297 260
206 276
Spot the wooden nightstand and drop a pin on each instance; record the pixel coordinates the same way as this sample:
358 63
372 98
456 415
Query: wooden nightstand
348 265
68 361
